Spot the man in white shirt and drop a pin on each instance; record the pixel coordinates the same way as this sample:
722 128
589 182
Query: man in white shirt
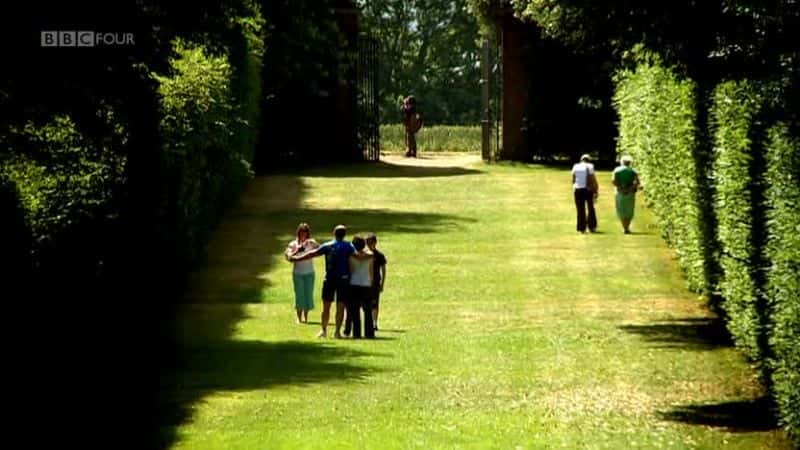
584 185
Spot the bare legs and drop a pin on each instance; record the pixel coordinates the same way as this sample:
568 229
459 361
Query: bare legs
302 315
326 315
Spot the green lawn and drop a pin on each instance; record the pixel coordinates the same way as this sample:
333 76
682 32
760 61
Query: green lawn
501 326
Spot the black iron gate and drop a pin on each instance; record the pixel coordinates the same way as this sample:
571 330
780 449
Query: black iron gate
367 112
491 96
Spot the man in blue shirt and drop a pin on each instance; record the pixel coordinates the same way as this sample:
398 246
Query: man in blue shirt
337 276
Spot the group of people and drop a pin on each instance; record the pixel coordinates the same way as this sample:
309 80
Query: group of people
355 273
586 190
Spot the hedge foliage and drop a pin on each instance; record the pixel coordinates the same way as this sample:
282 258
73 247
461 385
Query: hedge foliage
657 128
68 176
68 187
782 196
210 112
736 175
247 59
753 171
200 161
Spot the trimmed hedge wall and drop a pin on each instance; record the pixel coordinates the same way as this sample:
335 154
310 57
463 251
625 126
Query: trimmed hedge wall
69 174
782 196
754 169
68 187
657 127
200 160
736 173
246 56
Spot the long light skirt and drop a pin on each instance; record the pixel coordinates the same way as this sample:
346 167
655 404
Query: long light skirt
625 205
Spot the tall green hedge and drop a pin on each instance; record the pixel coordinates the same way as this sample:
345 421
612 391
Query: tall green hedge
734 114
210 120
69 170
782 196
657 127
246 56
201 161
68 187
744 174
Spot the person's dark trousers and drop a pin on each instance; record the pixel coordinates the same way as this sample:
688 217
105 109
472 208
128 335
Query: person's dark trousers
583 203
348 320
366 305
353 322
411 144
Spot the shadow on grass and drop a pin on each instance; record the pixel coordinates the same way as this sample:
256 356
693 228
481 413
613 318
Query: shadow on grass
695 333
382 169
735 416
207 367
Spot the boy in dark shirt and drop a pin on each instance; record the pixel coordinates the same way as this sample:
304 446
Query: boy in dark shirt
378 275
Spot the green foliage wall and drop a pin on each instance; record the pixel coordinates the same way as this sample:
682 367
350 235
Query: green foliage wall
203 165
247 59
755 170
68 186
782 252
657 127
70 171
736 175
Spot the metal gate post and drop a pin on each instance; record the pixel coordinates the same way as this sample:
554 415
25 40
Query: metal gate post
486 124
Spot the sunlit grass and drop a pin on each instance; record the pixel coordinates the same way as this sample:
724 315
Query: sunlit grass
501 327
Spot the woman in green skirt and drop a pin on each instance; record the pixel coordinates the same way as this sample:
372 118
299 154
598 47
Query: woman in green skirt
626 181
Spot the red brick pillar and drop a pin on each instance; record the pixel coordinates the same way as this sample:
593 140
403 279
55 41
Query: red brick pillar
516 82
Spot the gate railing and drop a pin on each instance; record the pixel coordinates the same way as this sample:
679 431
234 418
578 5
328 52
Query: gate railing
367 101
491 97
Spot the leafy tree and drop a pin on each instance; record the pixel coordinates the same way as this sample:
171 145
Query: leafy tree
429 49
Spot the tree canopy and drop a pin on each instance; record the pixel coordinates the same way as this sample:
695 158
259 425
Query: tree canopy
429 49
714 38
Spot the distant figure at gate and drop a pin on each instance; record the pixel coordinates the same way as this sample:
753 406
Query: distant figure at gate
412 119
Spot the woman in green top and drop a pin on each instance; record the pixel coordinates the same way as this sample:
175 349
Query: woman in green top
626 181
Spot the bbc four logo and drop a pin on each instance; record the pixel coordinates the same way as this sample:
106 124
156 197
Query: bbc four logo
85 39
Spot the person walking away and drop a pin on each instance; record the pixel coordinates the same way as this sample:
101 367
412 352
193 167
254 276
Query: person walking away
584 185
626 181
